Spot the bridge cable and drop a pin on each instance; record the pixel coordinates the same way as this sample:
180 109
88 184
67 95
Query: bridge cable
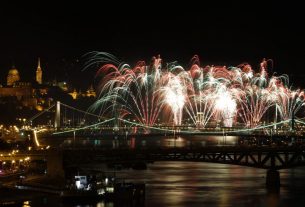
188 132
39 114
85 127
79 110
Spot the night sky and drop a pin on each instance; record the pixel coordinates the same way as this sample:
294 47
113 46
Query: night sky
220 33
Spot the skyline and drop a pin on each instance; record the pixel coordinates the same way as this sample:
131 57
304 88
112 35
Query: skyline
221 34
185 103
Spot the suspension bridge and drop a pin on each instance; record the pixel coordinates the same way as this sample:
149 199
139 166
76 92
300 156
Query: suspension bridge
62 120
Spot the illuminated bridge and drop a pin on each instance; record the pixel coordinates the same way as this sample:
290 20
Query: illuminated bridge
69 121
270 158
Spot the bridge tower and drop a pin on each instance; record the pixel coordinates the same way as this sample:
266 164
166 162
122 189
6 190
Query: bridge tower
199 119
116 117
292 122
275 118
57 115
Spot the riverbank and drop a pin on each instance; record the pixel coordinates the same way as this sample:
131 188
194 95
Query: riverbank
42 183
14 191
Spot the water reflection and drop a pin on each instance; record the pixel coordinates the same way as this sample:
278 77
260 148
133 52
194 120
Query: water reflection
195 184
178 184
26 204
151 142
273 197
103 204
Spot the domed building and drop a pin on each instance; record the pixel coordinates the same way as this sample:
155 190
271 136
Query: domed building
13 76
31 94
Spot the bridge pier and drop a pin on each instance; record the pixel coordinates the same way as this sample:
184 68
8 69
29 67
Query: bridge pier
55 168
273 179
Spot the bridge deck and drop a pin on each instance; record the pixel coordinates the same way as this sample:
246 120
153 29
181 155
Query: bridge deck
259 157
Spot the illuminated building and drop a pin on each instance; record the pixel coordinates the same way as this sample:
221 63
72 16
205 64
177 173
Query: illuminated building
39 73
36 94
25 93
74 94
89 93
13 76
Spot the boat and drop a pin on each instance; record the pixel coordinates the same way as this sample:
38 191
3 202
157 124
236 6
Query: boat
88 187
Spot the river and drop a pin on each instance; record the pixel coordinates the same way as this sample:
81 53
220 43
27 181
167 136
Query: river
178 184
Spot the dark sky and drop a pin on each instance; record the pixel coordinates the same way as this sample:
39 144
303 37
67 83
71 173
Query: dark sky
220 33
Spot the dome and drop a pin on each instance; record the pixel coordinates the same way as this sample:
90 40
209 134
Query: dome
13 76
13 71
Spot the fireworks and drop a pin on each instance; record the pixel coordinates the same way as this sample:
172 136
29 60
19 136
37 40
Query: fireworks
174 97
152 94
126 91
226 106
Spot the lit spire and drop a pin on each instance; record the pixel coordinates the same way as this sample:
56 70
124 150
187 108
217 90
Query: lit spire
39 73
38 67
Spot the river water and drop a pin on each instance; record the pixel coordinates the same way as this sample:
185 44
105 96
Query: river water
178 184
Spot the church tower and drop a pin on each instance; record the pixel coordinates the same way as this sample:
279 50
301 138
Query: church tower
39 73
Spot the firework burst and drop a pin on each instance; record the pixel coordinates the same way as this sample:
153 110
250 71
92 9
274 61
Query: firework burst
199 94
